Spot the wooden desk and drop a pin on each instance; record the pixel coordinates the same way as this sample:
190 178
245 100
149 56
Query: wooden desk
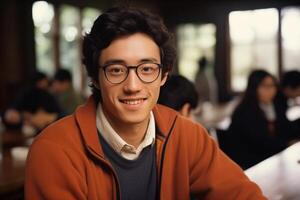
12 172
279 175
12 163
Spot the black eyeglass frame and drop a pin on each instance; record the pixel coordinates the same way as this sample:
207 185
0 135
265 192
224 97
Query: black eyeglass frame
129 67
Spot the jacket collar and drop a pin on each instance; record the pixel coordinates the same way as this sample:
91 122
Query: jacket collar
86 119
164 119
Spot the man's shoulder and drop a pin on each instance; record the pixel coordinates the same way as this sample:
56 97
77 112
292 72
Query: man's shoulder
164 118
168 119
60 132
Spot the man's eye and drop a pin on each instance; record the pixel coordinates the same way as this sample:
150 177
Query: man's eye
116 70
148 69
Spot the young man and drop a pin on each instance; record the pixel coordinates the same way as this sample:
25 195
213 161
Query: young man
290 85
121 145
180 94
62 89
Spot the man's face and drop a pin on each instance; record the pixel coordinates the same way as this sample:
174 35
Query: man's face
130 102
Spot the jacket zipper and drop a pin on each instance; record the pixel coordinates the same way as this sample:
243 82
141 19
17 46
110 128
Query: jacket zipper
162 159
160 170
112 169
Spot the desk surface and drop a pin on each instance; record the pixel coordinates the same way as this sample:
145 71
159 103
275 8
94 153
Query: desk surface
12 163
279 175
12 172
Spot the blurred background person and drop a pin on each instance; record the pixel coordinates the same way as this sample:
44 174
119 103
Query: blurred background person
290 87
34 107
259 127
205 82
39 109
289 99
206 87
180 94
63 90
201 81
40 80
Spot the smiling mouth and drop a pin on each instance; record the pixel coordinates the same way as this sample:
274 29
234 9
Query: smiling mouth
133 101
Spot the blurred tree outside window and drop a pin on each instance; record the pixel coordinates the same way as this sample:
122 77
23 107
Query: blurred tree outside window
195 41
69 42
89 15
73 24
43 13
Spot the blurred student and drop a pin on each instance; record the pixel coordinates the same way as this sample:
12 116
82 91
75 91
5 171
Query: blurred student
205 82
63 89
35 106
40 80
259 127
289 99
201 81
180 94
290 87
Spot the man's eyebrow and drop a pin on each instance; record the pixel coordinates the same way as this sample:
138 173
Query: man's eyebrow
149 60
120 61
113 61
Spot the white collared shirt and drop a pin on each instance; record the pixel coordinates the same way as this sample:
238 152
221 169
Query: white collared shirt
269 111
124 149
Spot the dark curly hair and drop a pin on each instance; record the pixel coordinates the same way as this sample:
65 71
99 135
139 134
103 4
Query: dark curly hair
122 21
291 79
178 91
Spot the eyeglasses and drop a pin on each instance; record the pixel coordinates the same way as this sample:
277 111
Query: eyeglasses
117 73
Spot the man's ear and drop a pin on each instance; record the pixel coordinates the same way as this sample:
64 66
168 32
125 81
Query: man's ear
96 84
164 79
185 110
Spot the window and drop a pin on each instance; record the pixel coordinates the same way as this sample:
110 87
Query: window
43 13
253 38
195 41
290 33
69 42
72 24
88 17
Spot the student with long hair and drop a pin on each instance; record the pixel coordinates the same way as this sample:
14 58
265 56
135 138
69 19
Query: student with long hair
259 127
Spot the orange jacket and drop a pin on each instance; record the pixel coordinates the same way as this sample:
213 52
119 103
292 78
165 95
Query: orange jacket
66 161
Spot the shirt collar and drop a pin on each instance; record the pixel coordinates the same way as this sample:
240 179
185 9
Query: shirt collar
116 142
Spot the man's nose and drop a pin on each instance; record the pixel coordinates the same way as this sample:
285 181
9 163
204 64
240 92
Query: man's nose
133 82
